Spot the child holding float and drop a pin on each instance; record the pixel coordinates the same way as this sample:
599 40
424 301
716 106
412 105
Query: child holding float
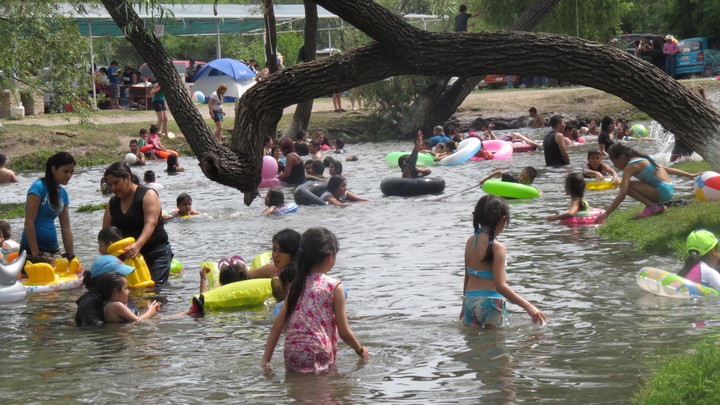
652 187
595 168
575 188
338 194
703 259
114 291
314 312
485 286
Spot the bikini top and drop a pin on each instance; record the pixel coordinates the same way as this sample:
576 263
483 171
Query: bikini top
486 274
648 173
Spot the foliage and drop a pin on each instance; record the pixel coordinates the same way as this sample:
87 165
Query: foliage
646 16
12 210
685 378
33 33
392 98
693 18
91 207
663 234
695 166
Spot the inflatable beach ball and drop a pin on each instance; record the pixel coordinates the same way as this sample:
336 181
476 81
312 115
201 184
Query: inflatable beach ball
130 158
707 186
639 131
198 97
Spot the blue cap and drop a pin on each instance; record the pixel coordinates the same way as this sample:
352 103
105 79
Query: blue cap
106 263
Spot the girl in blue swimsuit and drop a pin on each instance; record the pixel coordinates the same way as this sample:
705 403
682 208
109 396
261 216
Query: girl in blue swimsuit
653 186
485 287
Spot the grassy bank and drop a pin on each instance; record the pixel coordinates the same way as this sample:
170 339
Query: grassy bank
665 234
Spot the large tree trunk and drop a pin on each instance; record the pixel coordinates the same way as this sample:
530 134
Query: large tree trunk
303 110
270 37
439 104
408 51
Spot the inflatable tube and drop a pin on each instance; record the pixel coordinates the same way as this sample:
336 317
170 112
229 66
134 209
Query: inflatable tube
309 193
213 277
584 217
326 147
12 290
398 186
509 189
600 185
424 159
241 294
499 149
288 209
261 260
163 154
182 218
140 278
44 278
146 148
465 150
270 182
671 285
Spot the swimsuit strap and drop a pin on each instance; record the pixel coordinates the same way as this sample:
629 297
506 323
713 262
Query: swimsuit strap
636 160
477 232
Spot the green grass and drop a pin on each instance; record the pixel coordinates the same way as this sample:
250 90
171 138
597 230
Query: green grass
685 379
91 207
12 210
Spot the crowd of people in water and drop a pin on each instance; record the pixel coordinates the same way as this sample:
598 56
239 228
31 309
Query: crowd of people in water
314 311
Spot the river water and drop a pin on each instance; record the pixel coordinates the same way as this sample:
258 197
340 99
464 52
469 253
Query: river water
402 261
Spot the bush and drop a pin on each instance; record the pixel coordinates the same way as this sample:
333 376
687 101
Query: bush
685 379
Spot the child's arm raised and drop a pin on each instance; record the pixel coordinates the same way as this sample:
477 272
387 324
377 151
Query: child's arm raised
273 337
500 280
343 327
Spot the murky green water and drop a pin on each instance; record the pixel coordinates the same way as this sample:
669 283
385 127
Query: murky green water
402 262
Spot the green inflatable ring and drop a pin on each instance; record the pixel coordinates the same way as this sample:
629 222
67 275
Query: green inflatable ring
509 189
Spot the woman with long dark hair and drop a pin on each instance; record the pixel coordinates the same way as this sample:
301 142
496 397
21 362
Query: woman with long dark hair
47 200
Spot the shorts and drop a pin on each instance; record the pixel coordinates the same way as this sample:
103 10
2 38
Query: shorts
159 105
114 90
158 261
484 312
217 115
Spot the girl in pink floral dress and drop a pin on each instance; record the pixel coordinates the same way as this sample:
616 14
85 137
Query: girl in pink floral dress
314 311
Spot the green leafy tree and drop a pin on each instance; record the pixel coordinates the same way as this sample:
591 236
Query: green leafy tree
693 18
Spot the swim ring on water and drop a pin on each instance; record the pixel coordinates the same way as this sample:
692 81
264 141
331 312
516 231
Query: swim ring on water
424 159
181 218
499 149
140 278
405 187
287 209
309 193
11 290
175 266
510 189
465 150
584 217
44 278
600 185
163 154
241 294
671 285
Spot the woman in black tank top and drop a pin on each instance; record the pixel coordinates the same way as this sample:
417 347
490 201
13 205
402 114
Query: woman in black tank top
293 173
136 211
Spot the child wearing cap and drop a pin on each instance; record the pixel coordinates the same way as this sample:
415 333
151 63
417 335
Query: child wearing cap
90 305
703 258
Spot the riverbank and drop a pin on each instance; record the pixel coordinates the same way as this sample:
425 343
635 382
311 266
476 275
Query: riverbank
28 142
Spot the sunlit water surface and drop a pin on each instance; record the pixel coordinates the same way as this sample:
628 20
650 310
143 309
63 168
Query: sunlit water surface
402 261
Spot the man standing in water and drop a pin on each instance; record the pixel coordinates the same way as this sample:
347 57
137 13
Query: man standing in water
461 20
554 143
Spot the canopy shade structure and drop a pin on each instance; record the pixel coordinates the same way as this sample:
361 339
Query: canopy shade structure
193 19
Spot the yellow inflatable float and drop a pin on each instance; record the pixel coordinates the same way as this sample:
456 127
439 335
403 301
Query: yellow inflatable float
140 278
44 278
240 294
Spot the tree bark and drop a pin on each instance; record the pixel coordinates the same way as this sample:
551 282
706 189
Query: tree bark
270 37
303 110
417 52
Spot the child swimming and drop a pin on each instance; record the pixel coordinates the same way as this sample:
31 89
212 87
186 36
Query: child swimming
173 166
113 290
338 194
527 176
652 187
703 258
575 188
485 286
314 312
274 199
596 169
184 207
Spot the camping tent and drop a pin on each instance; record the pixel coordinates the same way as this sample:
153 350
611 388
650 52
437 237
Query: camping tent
230 72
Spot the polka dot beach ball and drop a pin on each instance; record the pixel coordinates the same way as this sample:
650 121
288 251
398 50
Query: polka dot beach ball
707 186
639 131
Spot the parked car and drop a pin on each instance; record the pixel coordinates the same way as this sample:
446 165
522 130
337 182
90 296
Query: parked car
629 43
180 65
500 81
698 56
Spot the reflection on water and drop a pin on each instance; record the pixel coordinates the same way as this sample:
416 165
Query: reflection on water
402 261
